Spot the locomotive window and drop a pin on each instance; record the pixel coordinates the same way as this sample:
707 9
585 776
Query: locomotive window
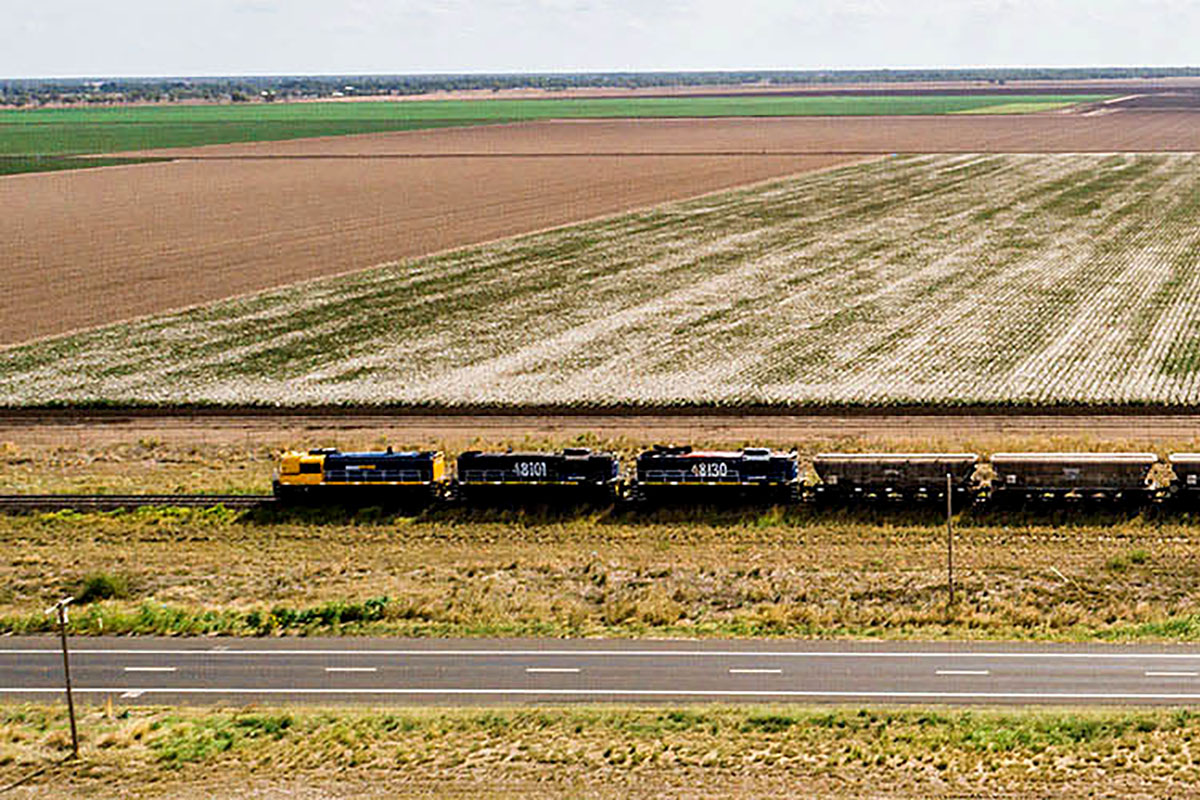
310 468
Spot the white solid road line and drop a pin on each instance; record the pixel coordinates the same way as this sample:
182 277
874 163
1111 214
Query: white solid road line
963 672
755 672
553 670
77 651
150 669
1176 697
351 669
1173 674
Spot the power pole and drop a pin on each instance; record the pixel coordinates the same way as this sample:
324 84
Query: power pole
61 609
950 538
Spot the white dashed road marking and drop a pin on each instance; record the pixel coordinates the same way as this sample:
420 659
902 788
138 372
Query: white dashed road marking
1173 674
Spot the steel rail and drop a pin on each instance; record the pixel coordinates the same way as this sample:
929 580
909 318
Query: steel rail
114 502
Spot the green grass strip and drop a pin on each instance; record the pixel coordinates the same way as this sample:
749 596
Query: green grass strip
16 165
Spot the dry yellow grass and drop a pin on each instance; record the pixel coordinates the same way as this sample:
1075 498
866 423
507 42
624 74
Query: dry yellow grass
711 574
700 751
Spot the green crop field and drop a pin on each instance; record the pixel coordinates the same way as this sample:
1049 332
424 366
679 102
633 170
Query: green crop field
111 130
15 165
1020 280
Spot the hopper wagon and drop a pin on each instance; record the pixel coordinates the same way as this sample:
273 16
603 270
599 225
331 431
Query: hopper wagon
1185 486
710 477
1034 477
894 477
572 475
389 477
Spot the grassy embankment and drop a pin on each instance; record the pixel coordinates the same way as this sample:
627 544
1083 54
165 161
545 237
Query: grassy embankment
770 572
73 131
508 574
1001 280
609 751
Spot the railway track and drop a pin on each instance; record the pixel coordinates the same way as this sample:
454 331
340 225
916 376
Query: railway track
10 503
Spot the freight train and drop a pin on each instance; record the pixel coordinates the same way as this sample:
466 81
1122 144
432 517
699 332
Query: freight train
682 475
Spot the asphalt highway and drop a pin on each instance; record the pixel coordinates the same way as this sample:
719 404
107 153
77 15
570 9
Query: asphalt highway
471 672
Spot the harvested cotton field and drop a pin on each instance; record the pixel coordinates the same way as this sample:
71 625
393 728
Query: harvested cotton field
952 279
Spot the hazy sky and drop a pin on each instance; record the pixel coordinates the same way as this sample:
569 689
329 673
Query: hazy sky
45 38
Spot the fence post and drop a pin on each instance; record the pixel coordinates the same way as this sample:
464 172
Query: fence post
950 538
61 609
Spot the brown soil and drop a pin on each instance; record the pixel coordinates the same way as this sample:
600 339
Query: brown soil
1056 132
90 247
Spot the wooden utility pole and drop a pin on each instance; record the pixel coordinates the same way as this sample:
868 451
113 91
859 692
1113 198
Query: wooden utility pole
950 537
61 608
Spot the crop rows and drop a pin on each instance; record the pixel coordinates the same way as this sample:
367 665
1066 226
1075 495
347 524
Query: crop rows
999 279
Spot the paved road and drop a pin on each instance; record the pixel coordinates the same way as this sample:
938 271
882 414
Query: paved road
175 671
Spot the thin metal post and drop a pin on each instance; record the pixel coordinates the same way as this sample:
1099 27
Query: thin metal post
950 537
61 608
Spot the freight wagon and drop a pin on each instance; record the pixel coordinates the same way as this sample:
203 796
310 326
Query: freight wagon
706 477
1186 485
895 477
390 478
572 475
1042 477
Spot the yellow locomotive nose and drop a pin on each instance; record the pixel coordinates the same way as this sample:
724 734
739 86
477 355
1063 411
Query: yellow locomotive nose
301 468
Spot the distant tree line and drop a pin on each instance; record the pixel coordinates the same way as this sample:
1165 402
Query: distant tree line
33 92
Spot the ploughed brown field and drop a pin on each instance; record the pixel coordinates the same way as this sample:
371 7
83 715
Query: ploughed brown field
89 247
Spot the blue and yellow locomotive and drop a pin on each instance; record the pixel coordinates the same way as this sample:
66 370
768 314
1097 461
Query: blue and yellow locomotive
389 477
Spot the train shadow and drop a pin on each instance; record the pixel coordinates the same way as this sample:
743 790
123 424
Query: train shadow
723 514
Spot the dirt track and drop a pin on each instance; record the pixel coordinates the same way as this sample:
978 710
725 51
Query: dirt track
457 431
85 248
